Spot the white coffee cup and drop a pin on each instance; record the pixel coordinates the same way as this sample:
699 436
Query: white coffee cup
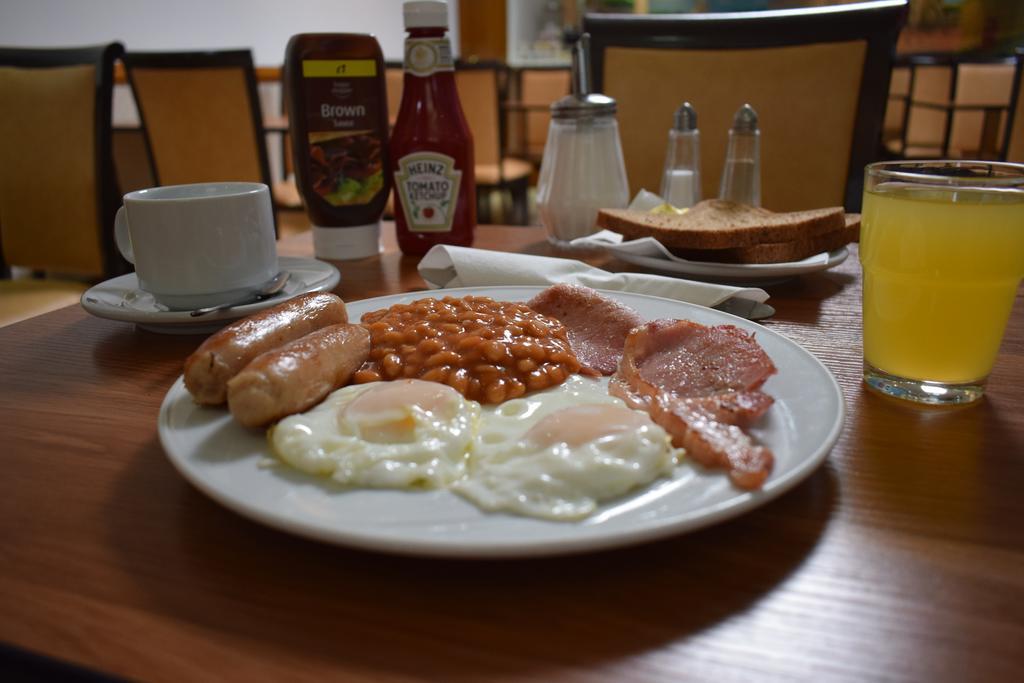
199 245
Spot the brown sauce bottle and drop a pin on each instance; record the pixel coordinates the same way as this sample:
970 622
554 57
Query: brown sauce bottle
338 116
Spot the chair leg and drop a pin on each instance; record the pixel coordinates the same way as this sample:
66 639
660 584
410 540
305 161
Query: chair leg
483 205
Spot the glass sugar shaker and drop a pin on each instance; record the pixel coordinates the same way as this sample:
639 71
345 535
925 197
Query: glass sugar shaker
582 169
680 181
741 174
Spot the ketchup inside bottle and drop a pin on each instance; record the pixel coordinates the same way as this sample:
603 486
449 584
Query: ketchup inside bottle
431 152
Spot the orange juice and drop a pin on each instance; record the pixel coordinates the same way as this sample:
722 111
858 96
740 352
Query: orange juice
941 271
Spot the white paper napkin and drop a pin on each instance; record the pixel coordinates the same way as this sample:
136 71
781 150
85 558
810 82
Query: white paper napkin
446 266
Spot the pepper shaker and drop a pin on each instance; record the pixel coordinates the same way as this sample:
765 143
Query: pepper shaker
741 174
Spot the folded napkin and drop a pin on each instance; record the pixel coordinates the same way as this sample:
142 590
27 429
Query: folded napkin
652 248
446 266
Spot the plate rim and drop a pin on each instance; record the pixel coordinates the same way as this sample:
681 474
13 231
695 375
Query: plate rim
454 549
745 271
101 309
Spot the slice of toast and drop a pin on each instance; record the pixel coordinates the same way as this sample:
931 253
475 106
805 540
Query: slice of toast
780 252
720 224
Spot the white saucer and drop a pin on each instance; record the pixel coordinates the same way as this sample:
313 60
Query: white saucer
121 299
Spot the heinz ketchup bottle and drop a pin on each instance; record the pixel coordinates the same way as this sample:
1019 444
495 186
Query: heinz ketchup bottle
431 147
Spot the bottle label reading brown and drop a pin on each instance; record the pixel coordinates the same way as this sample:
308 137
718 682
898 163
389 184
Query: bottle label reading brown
346 166
425 56
428 187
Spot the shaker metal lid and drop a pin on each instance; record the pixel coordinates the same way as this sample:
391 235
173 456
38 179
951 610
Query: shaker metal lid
745 120
686 117
581 106
582 103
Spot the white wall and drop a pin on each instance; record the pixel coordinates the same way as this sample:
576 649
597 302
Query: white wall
262 25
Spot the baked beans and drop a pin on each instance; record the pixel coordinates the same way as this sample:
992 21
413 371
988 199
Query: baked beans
489 351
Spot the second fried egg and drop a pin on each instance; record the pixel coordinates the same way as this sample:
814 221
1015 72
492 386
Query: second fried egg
561 452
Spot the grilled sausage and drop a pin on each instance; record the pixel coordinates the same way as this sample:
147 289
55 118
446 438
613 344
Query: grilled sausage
225 353
298 375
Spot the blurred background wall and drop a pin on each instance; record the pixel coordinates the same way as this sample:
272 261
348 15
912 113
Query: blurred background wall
262 25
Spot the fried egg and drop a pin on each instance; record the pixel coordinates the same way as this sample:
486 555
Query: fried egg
400 434
559 453
555 454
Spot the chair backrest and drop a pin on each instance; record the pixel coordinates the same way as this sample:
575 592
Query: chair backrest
1013 149
58 189
982 85
896 107
818 78
932 88
201 115
479 87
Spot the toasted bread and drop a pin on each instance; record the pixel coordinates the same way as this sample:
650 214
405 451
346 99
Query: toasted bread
780 252
720 224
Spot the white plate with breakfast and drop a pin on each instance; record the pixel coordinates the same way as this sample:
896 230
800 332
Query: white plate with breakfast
120 298
721 240
506 442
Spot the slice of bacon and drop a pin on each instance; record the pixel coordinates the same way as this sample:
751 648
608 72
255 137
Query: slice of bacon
597 325
701 384
711 442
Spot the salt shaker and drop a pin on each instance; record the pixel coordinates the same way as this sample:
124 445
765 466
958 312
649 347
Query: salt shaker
680 181
582 169
741 175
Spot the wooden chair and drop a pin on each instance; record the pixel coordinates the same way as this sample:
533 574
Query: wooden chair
394 78
480 87
202 119
529 115
958 107
818 78
896 108
58 189
1013 149
922 132
286 191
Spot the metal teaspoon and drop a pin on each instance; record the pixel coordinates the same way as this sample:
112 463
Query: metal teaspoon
272 287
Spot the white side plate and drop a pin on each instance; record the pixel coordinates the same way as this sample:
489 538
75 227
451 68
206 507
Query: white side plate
735 272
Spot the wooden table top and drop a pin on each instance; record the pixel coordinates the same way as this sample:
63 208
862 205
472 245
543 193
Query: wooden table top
901 558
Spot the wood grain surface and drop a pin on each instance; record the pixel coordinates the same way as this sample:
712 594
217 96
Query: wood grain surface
901 558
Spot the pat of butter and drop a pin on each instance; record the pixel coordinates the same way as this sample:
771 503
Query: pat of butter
667 208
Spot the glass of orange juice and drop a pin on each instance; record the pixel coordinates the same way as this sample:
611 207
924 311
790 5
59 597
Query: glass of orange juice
942 249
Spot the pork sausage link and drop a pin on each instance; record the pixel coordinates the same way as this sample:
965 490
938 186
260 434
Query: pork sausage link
225 353
298 375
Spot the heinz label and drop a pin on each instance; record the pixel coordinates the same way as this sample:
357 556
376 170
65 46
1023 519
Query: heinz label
428 187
